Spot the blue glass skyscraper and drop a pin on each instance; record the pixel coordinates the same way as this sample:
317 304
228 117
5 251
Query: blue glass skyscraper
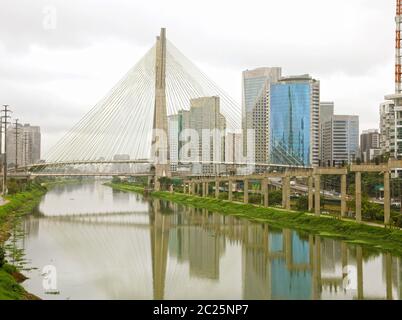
294 135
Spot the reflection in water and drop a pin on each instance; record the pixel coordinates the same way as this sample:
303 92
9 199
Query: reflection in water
113 245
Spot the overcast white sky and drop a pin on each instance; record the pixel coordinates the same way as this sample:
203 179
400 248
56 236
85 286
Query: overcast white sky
52 74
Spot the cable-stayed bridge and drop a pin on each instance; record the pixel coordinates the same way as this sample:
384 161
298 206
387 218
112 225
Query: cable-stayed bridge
119 135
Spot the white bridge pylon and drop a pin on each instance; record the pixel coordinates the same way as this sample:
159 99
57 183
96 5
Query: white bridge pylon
122 122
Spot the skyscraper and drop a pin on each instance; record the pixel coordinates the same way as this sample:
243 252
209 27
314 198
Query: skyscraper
205 118
388 144
209 125
294 121
27 140
341 139
369 145
255 108
326 112
176 124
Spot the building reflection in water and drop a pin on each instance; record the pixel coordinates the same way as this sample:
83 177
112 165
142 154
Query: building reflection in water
275 263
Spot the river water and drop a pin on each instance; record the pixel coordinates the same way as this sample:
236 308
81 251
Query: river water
87 241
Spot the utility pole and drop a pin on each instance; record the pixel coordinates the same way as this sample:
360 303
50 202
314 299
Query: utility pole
6 111
26 149
16 145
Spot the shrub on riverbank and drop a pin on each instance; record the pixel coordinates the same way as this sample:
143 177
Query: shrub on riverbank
9 288
275 197
18 204
2 256
17 186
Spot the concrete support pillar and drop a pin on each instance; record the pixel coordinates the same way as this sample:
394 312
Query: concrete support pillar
204 188
358 187
310 194
359 267
287 238
193 188
388 275
185 188
157 184
317 269
344 255
217 189
343 195
317 196
311 250
264 189
207 189
286 192
230 190
245 191
387 199
283 193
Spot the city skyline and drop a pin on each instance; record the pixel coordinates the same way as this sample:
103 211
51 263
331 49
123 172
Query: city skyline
51 64
246 150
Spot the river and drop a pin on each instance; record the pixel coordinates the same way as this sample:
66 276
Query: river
87 241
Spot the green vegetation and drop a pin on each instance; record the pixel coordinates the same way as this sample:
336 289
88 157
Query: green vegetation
17 205
275 198
51 182
9 287
2 256
126 187
302 203
387 239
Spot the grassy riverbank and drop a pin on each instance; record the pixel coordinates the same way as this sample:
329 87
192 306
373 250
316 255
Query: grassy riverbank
327 226
17 206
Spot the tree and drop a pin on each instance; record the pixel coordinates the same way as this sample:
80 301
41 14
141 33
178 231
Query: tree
275 197
302 203
370 210
13 186
116 180
2 256
165 183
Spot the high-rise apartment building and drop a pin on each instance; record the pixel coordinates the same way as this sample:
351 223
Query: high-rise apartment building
23 145
209 125
388 143
294 113
340 140
326 112
391 125
233 147
391 110
255 109
369 145
176 124
205 118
